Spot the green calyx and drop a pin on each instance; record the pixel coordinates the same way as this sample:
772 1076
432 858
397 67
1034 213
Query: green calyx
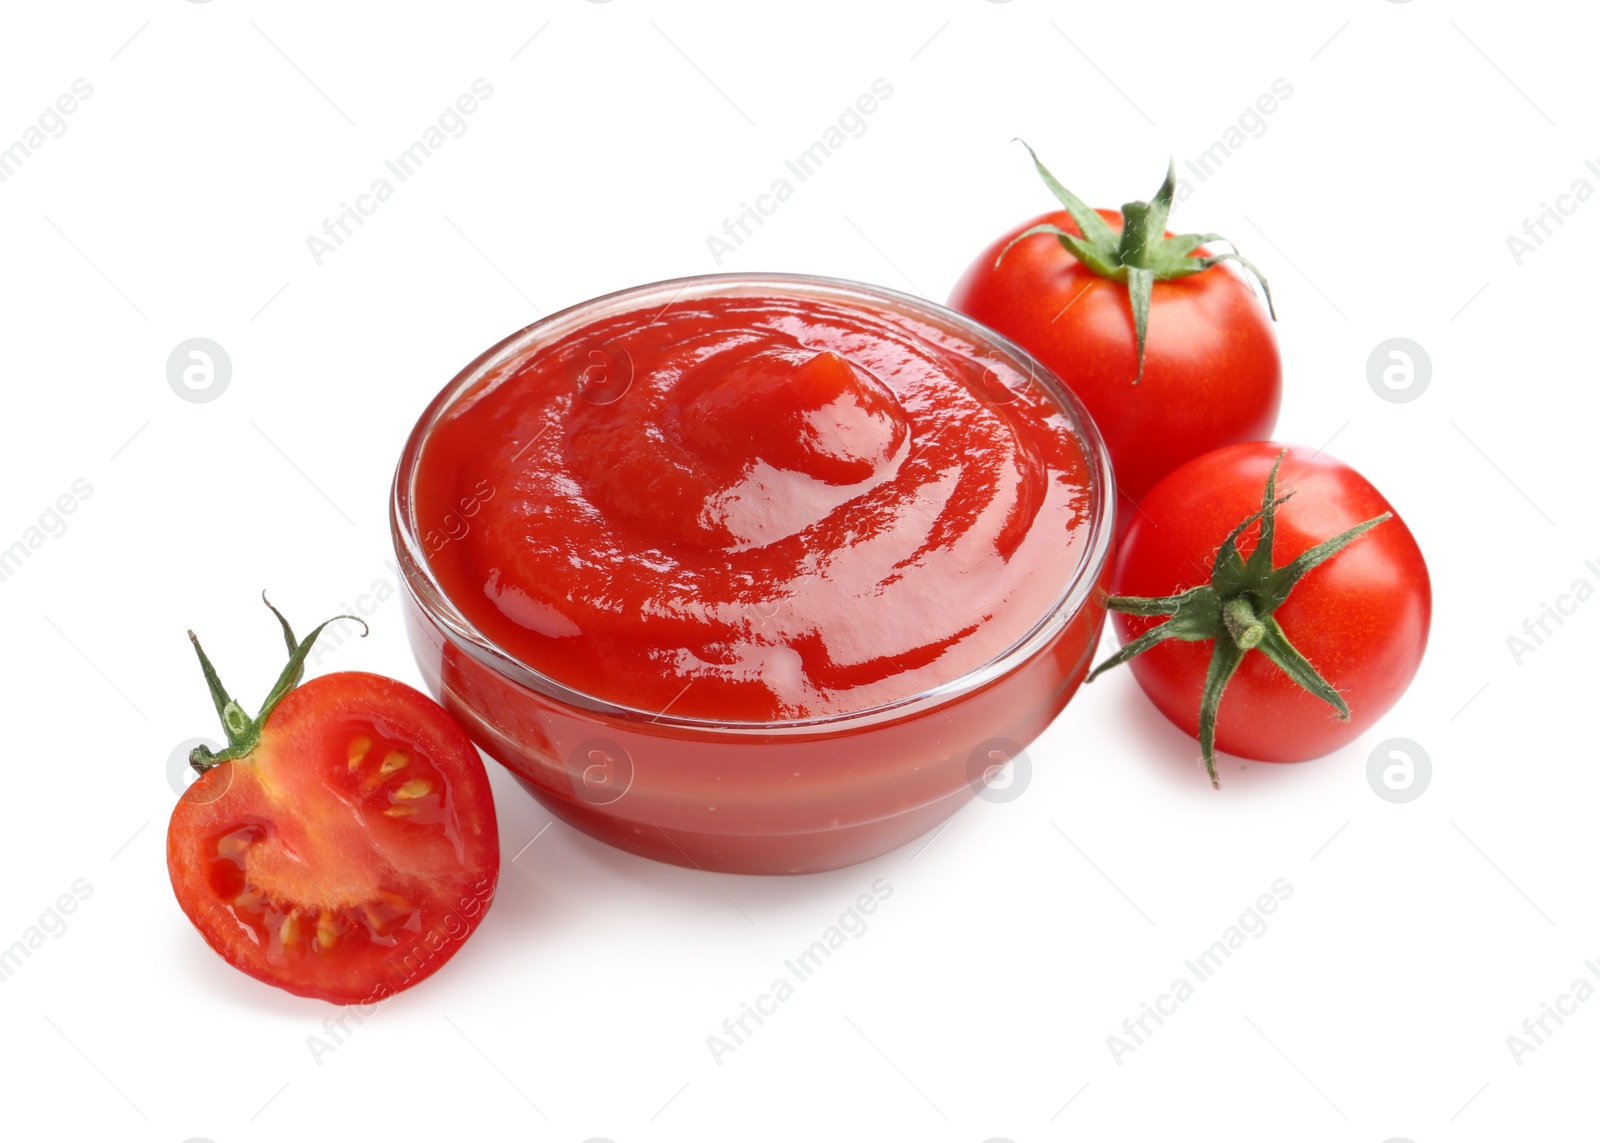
243 731
1234 612
1141 255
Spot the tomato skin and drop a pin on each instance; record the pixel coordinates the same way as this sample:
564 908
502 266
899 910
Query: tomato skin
1212 373
313 831
1361 618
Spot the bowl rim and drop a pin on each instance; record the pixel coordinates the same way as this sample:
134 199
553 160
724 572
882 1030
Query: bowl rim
434 602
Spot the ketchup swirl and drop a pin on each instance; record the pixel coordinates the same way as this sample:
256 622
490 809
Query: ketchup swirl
753 508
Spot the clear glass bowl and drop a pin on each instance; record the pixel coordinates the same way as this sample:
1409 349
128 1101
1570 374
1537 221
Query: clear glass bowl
790 796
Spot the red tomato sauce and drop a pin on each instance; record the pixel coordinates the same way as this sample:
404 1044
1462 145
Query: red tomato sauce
754 508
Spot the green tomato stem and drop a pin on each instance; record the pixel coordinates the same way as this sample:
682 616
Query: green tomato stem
1240 618
1142 255
243 731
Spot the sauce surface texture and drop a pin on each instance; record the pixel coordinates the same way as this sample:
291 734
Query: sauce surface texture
754 508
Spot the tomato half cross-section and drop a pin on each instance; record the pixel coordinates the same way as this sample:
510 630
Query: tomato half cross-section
343 845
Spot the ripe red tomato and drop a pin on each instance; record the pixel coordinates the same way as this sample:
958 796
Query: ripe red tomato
344 845
1211 372
1359 618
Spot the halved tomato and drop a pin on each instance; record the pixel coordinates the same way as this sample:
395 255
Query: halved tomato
344 844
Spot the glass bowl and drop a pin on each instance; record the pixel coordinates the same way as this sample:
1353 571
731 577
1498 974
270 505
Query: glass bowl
783 796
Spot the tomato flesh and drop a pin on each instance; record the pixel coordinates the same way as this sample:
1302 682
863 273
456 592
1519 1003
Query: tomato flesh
350 853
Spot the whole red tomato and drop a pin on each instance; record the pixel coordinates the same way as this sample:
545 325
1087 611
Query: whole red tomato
1069 287
1296 617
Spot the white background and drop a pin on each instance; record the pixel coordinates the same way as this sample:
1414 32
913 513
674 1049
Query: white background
977 1006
